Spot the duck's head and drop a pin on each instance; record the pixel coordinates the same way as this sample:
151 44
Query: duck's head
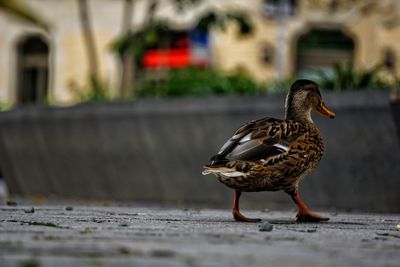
303 97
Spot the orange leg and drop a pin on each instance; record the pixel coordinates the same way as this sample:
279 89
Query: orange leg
304 214
236 213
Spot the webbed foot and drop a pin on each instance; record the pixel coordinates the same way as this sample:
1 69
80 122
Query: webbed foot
310 217
241 218
236 213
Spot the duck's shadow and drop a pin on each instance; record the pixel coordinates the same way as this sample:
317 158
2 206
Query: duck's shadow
330 222
280 221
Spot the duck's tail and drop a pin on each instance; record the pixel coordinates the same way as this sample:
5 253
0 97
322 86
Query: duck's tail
214 169
222 170
208 169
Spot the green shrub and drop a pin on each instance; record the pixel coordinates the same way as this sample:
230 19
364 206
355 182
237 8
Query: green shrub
4 106
345 77
279 86
200 82
95 91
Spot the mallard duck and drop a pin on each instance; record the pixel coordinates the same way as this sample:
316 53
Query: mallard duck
271 154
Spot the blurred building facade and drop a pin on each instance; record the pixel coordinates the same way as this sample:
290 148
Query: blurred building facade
290 38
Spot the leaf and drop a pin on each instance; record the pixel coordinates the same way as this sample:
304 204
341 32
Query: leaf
212 19
14 7
242 19
345 77
208 20
182 5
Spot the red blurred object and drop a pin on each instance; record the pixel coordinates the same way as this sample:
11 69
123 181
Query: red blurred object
173 58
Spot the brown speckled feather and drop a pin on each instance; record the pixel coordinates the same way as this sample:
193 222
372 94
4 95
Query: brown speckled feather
268 155
272 154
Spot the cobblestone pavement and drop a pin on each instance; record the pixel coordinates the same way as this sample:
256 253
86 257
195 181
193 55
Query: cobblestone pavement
59 235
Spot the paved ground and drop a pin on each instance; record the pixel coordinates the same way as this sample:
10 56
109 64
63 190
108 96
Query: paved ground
60 235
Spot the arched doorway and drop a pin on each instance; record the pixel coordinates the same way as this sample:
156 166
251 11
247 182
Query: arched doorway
321 49
32 70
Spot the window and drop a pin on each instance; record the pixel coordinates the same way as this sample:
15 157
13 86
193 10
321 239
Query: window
32 70
276 8
321 49
267 53
389 59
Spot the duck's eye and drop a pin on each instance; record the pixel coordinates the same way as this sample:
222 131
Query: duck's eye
311 93
313 97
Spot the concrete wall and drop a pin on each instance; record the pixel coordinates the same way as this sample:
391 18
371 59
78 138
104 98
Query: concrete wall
153 150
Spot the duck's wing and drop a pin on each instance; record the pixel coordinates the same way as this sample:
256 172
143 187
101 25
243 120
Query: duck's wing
258 140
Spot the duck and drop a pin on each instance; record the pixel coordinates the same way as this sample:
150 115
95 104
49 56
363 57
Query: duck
271 154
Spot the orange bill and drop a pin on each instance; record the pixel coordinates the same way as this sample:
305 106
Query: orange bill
324 110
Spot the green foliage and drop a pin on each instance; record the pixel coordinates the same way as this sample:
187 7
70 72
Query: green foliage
22 11
4 106
96 91
200 82
243 21
279 86
158 32
181 5
137 42
212 19
345 77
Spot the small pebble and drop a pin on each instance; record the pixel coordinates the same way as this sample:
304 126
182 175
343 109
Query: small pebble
162 253
398 227
11 203
29 263
124 223
69 208
87 230
266 227
124 250
31 210
382 233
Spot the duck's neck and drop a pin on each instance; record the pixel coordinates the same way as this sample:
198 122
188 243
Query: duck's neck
298 113
303 117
